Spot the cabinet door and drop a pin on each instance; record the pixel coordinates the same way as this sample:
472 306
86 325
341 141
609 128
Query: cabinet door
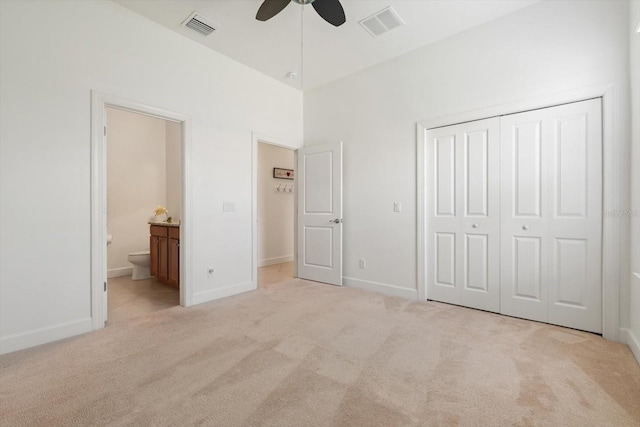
174 262
153 255
163 259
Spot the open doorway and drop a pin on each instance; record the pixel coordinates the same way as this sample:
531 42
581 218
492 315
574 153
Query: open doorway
144 174
182 259
275 214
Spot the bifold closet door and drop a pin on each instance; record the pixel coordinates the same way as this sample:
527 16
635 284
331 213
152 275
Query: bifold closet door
551 215
463 197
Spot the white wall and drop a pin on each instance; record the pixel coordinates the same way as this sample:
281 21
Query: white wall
136 183
634 324
46 77
275 209
541 50
174 169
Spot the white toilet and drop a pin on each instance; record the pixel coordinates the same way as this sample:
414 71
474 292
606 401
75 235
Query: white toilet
140 261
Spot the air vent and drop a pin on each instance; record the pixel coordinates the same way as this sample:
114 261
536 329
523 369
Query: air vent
200 24
382 21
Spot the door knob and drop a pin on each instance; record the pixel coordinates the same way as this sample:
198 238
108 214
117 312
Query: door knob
475 225
337 220
525 227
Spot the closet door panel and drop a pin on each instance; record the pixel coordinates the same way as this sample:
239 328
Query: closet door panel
551 162
523 201
478 238
442 223
463 214
575 216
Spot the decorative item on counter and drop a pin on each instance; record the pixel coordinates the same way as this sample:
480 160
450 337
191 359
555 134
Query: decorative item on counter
161 214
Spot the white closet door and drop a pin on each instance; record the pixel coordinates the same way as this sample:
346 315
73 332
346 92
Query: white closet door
551 203
463 214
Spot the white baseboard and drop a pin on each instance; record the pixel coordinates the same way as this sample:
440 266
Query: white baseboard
628 337
228 291
277 260
382 288
117 272
40 336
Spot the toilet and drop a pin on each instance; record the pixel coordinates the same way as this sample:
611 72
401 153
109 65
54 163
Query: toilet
140 261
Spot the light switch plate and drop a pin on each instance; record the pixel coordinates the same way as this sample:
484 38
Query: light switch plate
397 206
228 207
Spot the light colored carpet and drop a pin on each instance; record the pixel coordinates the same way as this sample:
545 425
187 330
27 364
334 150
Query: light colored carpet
299 353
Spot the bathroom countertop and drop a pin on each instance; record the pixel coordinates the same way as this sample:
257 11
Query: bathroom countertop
165 224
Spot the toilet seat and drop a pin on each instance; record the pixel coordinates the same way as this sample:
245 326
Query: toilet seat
140 253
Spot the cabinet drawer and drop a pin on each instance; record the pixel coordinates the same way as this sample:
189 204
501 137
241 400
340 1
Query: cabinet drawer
158 230
174 232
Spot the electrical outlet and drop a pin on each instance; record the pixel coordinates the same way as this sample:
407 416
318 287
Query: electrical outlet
210 273
228 207
397 206
363 263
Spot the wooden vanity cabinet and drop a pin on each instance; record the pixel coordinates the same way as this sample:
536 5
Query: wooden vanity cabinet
164 252
173 275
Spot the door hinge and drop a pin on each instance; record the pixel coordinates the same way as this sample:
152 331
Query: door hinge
105 286
105 131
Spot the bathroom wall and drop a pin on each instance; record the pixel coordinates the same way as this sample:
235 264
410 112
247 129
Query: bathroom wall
137 179
174 169
275 208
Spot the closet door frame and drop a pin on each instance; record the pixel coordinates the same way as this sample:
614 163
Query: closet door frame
610 161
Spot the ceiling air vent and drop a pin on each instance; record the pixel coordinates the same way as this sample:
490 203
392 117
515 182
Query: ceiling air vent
200 24
382 21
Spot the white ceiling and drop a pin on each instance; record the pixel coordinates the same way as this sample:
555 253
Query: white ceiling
328 53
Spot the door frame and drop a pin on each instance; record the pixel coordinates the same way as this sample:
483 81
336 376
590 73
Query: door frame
610 182
255 139
99 101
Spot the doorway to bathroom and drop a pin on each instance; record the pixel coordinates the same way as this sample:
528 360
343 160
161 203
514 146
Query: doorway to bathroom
275 213
176 240
144 185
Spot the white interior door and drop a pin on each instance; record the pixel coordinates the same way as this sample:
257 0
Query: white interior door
320 213
552 215
463 214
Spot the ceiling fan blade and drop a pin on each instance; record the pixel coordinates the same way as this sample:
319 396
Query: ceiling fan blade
331 11
271 8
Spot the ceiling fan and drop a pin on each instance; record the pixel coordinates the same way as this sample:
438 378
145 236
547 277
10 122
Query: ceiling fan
330 10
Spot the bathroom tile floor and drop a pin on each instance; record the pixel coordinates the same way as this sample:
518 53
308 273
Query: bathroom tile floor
273 274
129 299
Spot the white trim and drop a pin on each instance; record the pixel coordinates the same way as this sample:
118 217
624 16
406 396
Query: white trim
44 335
421 225
611 164
381 288
273 261
99 199
255 139
628 337
215 294
119 272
